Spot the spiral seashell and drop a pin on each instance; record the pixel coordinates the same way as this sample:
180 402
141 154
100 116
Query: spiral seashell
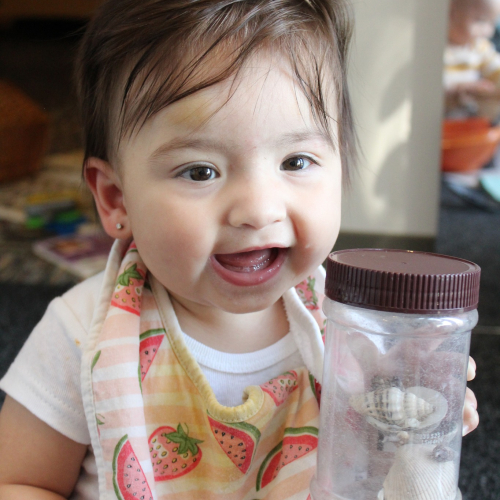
393 406
416 475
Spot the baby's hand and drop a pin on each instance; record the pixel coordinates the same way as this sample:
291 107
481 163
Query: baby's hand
470 415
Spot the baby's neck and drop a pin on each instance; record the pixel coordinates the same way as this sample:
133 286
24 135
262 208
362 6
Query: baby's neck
234 333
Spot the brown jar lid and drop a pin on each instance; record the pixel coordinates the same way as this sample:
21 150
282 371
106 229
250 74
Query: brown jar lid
402 281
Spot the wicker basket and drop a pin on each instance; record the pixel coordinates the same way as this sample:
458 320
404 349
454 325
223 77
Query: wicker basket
24 131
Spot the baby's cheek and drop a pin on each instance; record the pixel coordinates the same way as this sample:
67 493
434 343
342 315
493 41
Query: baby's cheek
325 233
316 243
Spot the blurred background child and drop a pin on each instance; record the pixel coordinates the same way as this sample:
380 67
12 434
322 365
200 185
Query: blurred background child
472 63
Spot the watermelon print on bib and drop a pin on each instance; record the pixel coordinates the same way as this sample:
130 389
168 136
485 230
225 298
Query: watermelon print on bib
129 480
157 430
238 441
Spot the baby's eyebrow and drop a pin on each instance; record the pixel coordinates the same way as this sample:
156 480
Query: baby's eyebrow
205 144
291 138
188 143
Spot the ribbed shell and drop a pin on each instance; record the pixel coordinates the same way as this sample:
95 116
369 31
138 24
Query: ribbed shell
415 475
392 406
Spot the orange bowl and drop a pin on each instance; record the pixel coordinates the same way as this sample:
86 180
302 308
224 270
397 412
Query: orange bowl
468 145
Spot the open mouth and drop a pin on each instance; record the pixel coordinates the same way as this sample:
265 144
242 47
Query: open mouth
249 268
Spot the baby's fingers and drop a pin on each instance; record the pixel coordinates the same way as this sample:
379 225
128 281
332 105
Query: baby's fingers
470 415
471 369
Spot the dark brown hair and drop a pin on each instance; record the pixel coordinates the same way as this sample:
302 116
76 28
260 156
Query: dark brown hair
139 56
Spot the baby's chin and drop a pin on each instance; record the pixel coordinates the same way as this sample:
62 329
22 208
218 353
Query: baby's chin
250 304
244 302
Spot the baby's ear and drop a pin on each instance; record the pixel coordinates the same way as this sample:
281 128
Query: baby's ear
106 187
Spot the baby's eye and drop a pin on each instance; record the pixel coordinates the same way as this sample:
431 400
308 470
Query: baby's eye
199 173
296 163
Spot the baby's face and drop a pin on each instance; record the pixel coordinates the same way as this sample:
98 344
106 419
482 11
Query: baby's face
232 203
465 28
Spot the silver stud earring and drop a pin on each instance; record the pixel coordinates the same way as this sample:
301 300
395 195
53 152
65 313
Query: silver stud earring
119 226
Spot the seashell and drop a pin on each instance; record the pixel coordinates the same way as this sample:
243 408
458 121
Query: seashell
392 406
416 475
402 438
412 422
384 382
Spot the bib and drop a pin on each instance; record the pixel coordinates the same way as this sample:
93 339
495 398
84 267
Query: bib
157 430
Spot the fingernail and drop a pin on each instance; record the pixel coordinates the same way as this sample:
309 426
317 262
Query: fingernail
465 430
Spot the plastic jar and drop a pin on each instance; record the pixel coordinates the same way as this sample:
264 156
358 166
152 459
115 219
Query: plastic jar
395 373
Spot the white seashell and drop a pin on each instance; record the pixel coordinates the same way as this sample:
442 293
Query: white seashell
416 475
393 406
402 438
410 423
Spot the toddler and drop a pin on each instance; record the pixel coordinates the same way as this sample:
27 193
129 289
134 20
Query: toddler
217 136
471 62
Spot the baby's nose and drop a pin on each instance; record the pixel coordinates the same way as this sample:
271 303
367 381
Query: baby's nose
257 204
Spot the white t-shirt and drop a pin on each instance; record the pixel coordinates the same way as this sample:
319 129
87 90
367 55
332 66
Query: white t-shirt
45 376
470 63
